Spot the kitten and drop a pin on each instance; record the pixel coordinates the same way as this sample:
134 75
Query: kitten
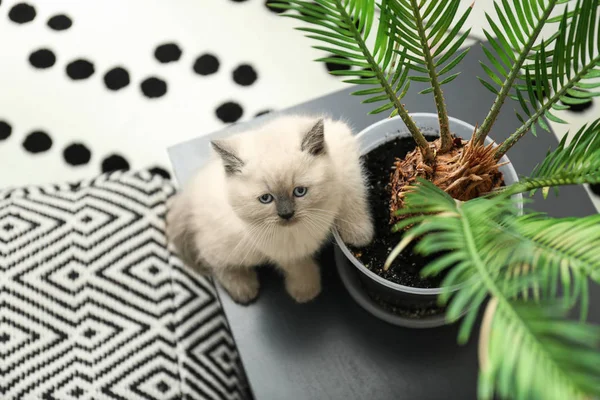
272 195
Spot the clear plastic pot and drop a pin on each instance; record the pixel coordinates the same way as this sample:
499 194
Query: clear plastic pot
369 289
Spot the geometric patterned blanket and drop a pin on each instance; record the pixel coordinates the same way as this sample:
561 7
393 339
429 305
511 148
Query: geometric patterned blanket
95 305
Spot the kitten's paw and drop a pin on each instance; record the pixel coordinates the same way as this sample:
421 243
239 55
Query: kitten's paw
243 293
359 236
242 288
303 281
303 292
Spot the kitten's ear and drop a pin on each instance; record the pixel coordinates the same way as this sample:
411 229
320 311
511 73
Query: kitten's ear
314 139
233 164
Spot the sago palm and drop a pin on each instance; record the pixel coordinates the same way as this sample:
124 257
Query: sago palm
420 40
447 195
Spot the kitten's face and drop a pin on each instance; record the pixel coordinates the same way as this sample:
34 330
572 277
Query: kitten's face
282 183
282 193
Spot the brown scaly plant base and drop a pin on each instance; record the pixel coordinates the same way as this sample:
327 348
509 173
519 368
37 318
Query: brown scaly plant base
465 172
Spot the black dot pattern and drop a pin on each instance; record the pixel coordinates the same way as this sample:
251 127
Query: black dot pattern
268 4
117 78
229 112
244 75
115 162
21 13
42 59
331 66
5 130
316 8
578 108
37 142
166 53
160 172
77 154
263 112
80 69
153 87
60 22
206 64
366 77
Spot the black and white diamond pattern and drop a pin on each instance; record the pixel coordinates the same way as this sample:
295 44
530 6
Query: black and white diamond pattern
13 226
95 305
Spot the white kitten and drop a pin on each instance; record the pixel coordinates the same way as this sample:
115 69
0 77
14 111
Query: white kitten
272 195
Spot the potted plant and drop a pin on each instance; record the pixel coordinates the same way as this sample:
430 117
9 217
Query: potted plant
397 292
456 196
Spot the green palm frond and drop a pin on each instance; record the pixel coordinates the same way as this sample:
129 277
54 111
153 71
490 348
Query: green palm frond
572 164
429 34
480 244
563 73
561 252
534 353
338 34
511 45
469 237
341 27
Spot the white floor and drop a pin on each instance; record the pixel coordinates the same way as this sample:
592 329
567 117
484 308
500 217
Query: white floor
125 123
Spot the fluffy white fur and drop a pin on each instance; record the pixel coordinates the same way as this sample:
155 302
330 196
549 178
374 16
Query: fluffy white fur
219 226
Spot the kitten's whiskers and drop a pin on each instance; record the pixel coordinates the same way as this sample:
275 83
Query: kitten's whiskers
318 212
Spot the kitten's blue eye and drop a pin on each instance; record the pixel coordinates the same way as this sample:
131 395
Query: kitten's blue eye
265 198
300 191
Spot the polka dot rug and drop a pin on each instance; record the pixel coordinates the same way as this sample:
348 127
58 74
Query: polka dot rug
96 86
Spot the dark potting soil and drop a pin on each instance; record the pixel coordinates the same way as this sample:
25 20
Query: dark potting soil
406 269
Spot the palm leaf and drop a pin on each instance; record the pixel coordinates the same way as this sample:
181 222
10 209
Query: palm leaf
429 32
534 353
561 72
512 42
440 222
482 241
572 164
335 22
341 28
563 252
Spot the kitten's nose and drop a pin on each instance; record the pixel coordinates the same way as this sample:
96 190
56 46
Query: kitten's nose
287 215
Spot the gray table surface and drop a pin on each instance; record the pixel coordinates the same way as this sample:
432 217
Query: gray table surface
332 348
